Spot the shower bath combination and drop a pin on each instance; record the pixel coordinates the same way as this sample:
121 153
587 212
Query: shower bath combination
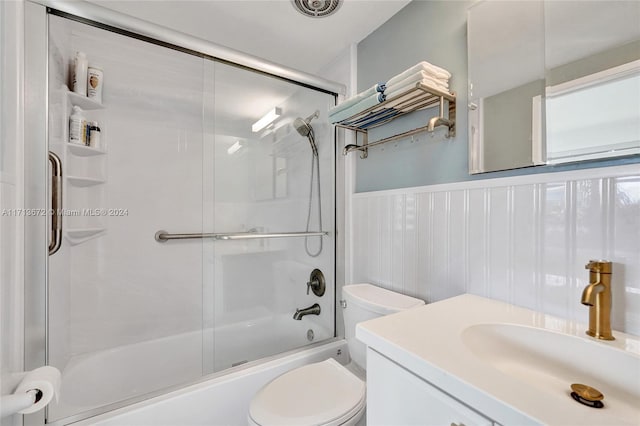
202 313
303 127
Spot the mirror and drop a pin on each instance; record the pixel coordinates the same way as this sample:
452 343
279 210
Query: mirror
576 60
506 84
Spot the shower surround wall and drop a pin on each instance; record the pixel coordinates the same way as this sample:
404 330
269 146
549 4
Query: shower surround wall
524 240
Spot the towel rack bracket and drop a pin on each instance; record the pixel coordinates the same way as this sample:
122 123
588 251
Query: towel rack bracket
364 152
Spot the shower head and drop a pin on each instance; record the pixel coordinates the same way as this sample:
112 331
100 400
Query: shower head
303 126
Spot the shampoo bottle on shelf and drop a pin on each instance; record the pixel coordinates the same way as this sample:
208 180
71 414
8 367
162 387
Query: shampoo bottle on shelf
80 67
95 76
77 126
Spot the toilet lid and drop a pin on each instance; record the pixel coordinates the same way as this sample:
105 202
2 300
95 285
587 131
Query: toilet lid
316 394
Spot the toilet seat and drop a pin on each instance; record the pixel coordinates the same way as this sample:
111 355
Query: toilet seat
323 393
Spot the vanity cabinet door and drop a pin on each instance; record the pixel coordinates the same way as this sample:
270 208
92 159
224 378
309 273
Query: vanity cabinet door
395 396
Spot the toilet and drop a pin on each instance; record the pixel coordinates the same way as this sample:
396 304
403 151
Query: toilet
328 393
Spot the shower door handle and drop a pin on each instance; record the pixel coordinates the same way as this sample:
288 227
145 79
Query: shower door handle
55 240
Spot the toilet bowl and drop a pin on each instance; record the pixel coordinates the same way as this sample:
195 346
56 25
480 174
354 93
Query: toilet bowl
327 393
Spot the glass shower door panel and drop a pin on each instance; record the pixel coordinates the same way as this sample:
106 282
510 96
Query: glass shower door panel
125 312
266 181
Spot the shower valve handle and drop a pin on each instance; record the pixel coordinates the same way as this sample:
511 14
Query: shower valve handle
316 283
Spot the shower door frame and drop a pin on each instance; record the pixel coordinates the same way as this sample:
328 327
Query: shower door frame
36 176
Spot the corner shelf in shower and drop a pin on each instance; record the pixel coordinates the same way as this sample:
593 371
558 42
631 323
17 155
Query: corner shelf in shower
86 104
83 150
84 168
77 236
83 102
82 181
416 98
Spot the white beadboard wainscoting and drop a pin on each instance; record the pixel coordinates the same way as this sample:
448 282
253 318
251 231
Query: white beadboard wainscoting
524 240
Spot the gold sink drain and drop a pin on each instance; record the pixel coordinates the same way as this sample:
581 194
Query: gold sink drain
591 397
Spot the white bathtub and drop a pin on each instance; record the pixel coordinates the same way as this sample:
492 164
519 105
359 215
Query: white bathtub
222 399
109 377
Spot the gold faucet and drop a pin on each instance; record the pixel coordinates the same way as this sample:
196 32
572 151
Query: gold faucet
597 295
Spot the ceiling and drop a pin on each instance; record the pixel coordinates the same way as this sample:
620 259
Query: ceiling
270 29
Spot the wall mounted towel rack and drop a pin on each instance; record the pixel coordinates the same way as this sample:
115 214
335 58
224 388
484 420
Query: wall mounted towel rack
418 97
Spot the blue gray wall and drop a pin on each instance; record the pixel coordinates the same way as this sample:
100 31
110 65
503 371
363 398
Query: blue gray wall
434 31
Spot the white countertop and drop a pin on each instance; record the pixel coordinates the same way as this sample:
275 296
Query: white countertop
428 341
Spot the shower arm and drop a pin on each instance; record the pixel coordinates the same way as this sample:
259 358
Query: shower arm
164 236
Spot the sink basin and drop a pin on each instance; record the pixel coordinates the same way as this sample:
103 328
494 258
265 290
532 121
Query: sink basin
551 362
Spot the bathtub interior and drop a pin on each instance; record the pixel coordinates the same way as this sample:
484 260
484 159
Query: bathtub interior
221 400
126 372
129 316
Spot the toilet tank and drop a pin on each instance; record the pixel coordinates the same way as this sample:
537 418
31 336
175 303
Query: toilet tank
365 302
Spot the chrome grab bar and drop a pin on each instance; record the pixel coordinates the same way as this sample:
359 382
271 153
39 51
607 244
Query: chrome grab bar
254 235
56 203
164 236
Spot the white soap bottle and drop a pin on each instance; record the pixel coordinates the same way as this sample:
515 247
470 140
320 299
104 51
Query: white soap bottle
76 126
80 68
94 83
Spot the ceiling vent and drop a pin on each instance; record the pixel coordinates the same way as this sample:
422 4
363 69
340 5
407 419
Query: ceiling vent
316 8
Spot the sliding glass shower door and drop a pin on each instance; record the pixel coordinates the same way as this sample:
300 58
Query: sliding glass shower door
188 233
126 312
266 183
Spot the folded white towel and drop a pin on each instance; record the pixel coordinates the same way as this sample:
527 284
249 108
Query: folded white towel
392 95
411 81
395 97
364 104
375 89
430 69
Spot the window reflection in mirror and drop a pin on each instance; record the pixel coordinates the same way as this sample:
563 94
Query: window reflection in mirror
594 117
593 79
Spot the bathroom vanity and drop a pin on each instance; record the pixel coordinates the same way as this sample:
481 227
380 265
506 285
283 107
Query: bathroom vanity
413 401
475 361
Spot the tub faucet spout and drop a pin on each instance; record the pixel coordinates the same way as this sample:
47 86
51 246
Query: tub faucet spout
597 296
311 310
